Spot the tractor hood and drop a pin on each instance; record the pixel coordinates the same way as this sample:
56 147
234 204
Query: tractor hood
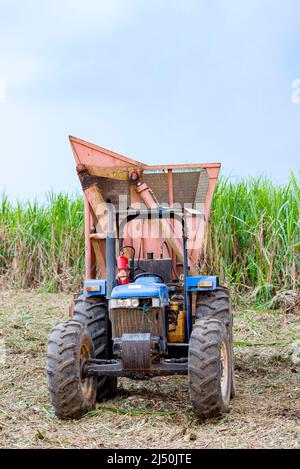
142 290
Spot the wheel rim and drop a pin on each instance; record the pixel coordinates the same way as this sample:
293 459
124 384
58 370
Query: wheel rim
224 370
87 382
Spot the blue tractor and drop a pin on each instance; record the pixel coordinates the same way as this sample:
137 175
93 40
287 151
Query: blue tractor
144 310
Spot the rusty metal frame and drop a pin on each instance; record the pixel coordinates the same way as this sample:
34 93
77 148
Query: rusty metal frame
97 161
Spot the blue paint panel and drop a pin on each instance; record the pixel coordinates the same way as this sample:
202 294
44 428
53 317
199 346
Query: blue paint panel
142 290
148 280
101 283
192 283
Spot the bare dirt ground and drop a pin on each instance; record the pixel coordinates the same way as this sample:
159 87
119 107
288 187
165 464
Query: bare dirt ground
154 413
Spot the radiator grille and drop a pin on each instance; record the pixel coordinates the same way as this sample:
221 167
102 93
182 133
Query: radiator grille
132 320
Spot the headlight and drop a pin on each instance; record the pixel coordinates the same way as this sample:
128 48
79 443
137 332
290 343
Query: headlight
124 303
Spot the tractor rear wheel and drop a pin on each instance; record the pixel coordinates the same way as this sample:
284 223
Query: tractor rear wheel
216 304
209 368
93 313
71 393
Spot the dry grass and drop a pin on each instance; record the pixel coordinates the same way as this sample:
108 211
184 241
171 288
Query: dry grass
155 413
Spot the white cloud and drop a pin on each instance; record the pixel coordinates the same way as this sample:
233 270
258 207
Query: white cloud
3 98
296 92
19 70
88 16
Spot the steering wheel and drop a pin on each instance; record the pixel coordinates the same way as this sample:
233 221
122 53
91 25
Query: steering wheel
148 274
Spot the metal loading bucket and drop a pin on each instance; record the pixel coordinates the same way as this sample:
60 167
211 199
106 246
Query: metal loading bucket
126 183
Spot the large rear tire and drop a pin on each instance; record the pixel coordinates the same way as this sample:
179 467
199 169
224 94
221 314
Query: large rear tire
209 368
216 304
92 312
69 346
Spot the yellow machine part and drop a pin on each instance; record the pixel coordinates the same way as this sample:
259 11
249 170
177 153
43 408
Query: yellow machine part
178 335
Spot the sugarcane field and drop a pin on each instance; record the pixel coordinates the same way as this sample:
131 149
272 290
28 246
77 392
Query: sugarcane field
149 304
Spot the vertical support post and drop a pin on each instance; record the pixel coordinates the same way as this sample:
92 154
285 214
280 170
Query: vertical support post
93 254
110 252
171 203
170 187
186 295
88 245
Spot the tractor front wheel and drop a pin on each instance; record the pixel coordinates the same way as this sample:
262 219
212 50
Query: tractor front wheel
71 393
93 313
216 304
209 368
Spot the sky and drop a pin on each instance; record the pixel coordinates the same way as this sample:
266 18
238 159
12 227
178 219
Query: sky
161 81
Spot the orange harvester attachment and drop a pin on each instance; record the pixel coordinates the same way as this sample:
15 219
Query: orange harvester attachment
110 178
